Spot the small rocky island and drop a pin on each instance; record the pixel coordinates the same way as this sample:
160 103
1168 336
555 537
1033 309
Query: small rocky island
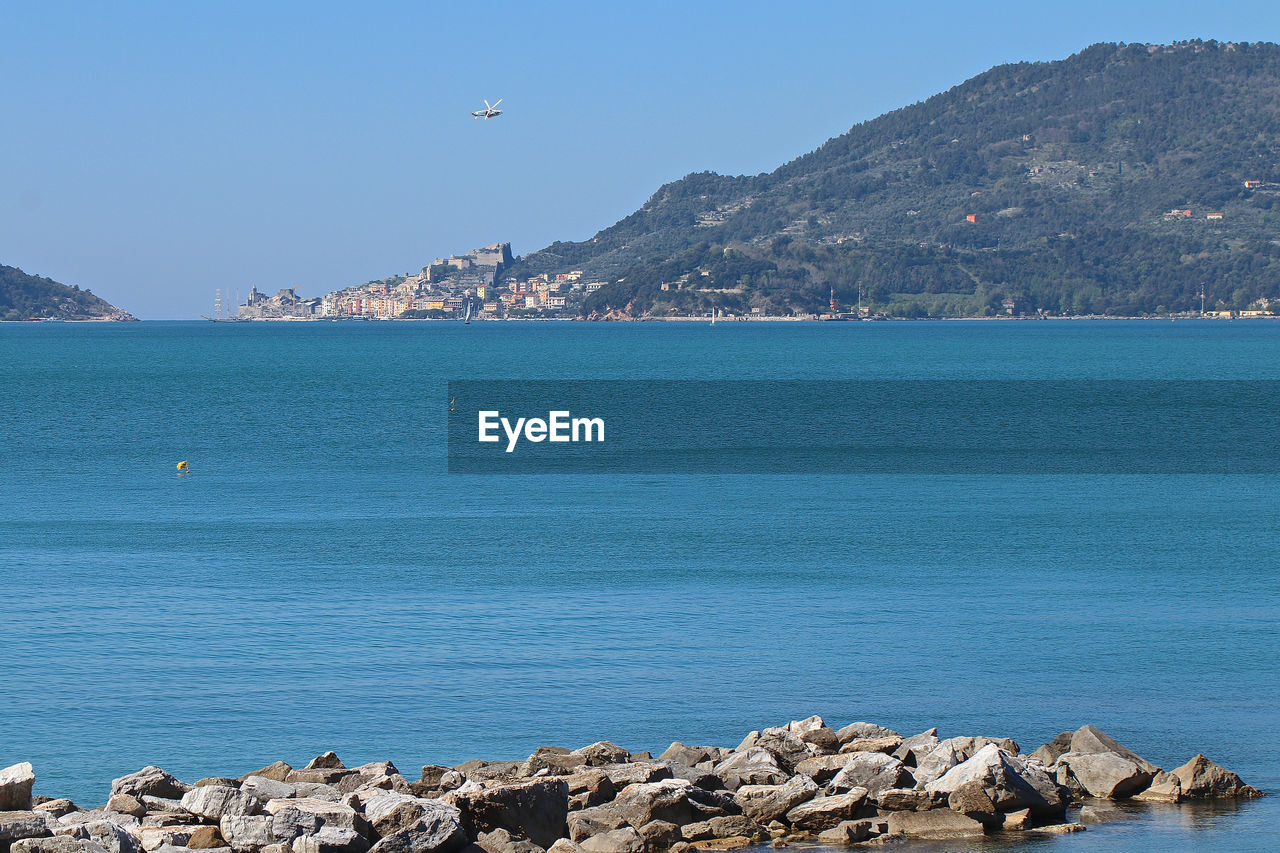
802 782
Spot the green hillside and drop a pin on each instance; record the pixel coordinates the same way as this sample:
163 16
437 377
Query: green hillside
1070 172
30 297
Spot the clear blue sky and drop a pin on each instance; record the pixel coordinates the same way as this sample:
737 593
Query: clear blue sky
153 152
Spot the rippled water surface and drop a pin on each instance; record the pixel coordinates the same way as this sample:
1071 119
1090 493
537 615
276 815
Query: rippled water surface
319 582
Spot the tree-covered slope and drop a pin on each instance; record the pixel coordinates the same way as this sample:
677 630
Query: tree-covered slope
1049 187
30 297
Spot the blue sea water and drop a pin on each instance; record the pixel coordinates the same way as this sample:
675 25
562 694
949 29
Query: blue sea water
318 581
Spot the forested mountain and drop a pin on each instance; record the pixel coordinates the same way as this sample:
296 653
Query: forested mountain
1120 180
31 297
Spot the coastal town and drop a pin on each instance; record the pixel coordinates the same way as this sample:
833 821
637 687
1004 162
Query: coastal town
446 288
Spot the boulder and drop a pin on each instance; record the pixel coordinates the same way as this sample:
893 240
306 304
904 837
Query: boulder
276 772
734 826
415 825
697 776
847 832
125 804
671 800
316 791
786 747
1017 821
763 803
551 761
111 836
595 784
501 841
752 766
687 755
861 730
224 781
1164 788
490 771
822 768
246 831
564 845
292 819
874 771
57 808
316 776
207 837
1010 782
904 800
535 810
1201 779
825 812
954 751
594 821
150 781
21 823
265 788
1048 753
1106 774
939 823
659 835
16 781
622 775
696 831
211 802
1087 740
912 750
971 800
601 753
161 804
152 837
331 839
823 739
888 744
327 761
624 840
56 844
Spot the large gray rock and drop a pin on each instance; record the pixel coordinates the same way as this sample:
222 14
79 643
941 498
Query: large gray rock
913 749
111 836
267 789
277 772
939 823
331 839
15 787
825 812
594 821
535 810
154 837
822 768
670 800
22 823
292 819
904 800
1087 739
853 731
415 825
602 752
624 840
622 775
1106 774
786 747
1164 788
688 755
57 807
701 778
954 751
875 771
150 781
246 832
763 803
501 841
1010 782
211 802
56 844
752 766
1201 779
327 761
888 744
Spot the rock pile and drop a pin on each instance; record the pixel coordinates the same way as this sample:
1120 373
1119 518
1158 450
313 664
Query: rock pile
803 780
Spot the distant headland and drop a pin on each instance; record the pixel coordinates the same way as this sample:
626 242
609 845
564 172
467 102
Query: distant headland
31 297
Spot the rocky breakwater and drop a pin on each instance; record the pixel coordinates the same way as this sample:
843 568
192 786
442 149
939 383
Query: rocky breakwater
804 781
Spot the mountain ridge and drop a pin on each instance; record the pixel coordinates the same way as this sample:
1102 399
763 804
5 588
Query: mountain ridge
1042 188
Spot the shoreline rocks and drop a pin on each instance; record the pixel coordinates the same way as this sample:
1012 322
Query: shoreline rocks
804 781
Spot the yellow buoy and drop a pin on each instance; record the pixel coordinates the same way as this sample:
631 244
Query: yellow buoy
182 466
